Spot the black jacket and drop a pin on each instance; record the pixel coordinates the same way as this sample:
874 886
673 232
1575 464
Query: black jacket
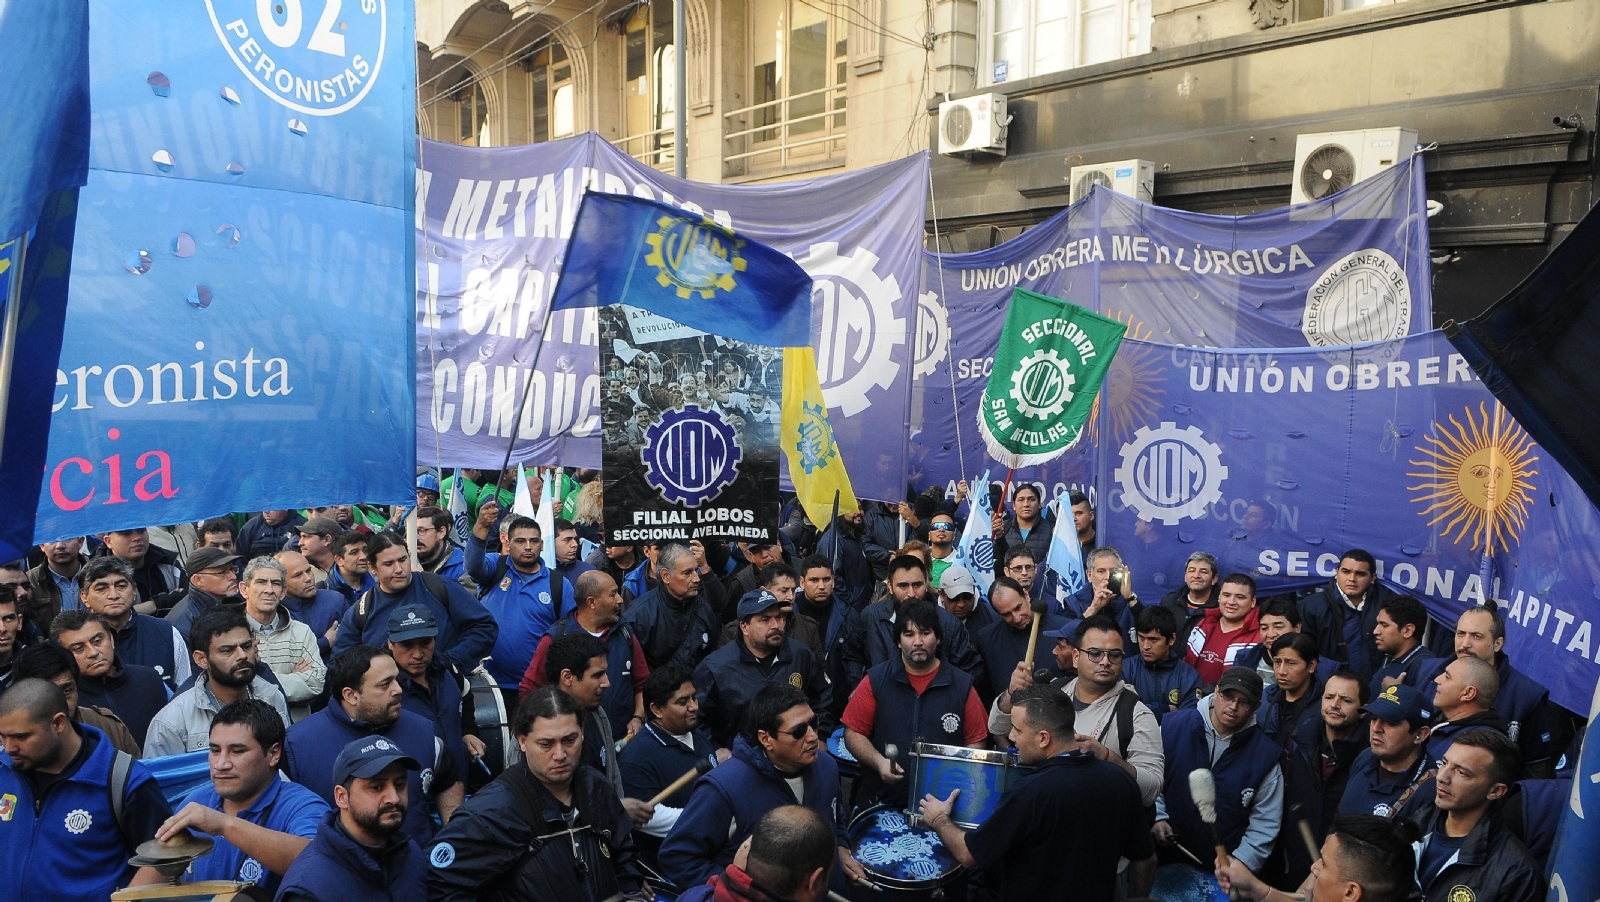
672 630
491 850
1177 601
132 692
1492 864
1324 613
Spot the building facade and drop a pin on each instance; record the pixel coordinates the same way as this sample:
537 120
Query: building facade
1503 95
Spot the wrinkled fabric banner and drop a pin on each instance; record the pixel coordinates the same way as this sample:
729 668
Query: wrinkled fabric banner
490 245
243 248
1277 461
1351 267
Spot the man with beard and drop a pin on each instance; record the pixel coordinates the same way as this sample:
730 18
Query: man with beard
364 703
226 657
361 851
134 693
870 637
316 608
670 743
1393 776
1316 770
547 829
213 584
674 621
62 837
843 544
260 821
105 585
914 697
435 550
763 654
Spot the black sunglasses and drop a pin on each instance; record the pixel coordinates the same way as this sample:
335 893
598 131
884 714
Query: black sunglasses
799 731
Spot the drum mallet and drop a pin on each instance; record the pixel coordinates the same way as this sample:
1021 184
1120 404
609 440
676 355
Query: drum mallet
892 752
1040 609
1203 789
700 767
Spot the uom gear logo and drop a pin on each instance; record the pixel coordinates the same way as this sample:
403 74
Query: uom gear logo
1042 385
318 57
857 329
1169 474
79 821
816 445
694 257
931 343
690 455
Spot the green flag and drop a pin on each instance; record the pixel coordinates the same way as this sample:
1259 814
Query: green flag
1052 358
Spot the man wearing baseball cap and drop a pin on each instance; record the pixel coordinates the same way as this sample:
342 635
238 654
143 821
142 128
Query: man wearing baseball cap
316 543
430 684
1220 735
1393 776
213 583
732 675
359 851
958 593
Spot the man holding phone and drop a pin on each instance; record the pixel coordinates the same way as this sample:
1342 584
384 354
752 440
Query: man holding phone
1109 592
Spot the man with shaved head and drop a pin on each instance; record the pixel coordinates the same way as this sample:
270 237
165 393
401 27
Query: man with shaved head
61 838
1464 694
787 857
598 613
316 608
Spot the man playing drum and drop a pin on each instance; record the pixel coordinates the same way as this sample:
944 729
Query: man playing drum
908 699
1074 815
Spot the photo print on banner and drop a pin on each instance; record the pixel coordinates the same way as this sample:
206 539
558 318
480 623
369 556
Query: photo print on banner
689 442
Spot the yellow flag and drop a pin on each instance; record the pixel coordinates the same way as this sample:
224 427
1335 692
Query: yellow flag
815 466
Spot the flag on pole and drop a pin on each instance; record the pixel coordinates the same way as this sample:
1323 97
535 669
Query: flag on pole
460 515
1065 557
975 551
545 516
815 467
1047 370
1574 869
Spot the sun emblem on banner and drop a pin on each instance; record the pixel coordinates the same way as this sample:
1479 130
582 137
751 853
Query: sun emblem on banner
1130 391
694 256
1477 478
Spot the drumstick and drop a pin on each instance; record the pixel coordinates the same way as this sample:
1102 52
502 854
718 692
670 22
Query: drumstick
700 767
1203 790
1039 610
891 751
1192 857
1310 840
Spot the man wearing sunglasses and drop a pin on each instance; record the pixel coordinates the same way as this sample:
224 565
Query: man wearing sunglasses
774 763
1111 723
941 543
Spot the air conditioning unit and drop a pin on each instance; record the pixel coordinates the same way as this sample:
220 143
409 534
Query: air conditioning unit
1135 178
973 125
1333 161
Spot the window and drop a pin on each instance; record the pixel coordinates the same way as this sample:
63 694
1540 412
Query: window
1037 37
550 92
472 112
648 89
798 57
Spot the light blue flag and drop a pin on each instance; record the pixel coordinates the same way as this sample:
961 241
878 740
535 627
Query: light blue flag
685 267
460 515
1065 558
975 551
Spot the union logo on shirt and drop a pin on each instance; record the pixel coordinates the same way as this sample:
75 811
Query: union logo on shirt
8 806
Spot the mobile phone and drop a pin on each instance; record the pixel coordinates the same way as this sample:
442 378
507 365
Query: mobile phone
1114 582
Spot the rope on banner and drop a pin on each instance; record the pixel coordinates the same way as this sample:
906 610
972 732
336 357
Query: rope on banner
938 256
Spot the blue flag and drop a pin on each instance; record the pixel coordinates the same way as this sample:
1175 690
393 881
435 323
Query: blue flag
1065 558
975 551
44 50
1574 870
685 267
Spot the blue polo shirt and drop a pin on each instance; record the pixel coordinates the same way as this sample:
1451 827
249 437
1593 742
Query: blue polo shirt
283 806
522 605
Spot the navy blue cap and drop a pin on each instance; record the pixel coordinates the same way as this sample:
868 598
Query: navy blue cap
755 602
414 621
1397 703
367 757
1065 632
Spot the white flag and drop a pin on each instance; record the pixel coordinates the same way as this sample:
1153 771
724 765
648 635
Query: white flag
460 517
1065 558
975 551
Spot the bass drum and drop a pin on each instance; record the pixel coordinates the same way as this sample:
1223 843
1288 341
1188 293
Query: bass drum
494 728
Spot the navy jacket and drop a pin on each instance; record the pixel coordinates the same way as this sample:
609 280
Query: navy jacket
1310 793
672 630
1444 733
1164 684
440 703
336 868
1002 648
1341 633
321 611
133 693
1491 864
491 849
1419 666
1244 766
1365 794
1525 706
196 602
148 641
315 743
467 631
902 717
853 575
1279 718
870 639
654 759
259 538
731 676
726 803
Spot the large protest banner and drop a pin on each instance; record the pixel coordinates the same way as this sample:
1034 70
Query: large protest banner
1277 461
1350 267
244 246
494 223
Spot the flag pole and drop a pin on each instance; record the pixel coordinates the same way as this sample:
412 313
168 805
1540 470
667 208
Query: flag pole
516 423
8 349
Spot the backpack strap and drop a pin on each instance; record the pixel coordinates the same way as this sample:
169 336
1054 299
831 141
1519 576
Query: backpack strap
117 788
1125 711
501 567
435 586
363 610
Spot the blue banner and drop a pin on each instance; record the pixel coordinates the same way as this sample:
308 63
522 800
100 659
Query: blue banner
1348 268
236 335
1574 869
1278 460
496 225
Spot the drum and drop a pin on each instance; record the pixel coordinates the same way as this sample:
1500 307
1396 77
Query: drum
849 768
1182 883
981 775
494 728
901 856
665 890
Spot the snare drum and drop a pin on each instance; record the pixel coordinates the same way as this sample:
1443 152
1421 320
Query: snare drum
494 728
849 768
981 775
899 855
